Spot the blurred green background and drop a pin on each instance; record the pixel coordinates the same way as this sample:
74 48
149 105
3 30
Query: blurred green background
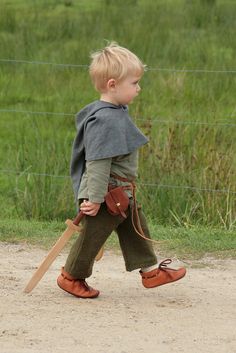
188 170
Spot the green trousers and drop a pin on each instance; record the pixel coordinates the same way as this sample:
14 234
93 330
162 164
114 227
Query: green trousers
137 252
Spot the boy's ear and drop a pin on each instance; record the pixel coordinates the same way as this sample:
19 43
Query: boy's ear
111 84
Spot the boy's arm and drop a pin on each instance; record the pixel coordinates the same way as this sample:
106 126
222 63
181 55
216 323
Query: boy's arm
98 174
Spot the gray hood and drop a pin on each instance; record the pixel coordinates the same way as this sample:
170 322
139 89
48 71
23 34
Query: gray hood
104 130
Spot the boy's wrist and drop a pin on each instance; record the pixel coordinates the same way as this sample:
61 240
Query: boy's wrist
94 203
96 200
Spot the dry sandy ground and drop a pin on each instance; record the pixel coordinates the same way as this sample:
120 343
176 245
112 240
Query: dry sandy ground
194 315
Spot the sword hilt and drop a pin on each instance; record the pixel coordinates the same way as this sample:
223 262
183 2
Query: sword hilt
78 218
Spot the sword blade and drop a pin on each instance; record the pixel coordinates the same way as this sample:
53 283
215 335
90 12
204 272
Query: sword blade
51 256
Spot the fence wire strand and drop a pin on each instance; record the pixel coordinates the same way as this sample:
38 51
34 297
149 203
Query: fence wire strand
156 185
154 120
22 61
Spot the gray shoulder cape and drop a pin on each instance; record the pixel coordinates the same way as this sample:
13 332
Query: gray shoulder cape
104 130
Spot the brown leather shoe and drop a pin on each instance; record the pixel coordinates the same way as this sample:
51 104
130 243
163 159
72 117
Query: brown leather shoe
162 275
76 287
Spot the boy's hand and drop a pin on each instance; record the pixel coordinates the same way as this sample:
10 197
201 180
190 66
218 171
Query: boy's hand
90 208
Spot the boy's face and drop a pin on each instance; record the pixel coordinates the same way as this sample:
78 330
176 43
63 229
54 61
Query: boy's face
125 91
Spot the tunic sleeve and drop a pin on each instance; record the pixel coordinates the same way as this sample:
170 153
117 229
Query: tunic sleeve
98 174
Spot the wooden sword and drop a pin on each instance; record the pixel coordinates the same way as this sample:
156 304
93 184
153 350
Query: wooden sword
72 227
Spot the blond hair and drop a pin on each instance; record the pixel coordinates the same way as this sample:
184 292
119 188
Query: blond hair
113 62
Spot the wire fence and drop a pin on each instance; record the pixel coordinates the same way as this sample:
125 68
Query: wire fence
152 120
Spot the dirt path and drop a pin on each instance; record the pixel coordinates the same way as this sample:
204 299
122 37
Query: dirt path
197 314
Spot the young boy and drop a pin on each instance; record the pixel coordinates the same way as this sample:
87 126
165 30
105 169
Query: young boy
105 152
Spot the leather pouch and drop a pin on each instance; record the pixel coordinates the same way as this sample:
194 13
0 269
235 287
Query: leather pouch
117 201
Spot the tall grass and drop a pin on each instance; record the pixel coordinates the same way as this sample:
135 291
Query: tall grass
177 34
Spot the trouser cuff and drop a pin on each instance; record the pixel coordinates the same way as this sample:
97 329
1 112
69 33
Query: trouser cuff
137 266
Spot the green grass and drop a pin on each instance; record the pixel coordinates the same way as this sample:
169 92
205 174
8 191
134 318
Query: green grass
186 243
177 34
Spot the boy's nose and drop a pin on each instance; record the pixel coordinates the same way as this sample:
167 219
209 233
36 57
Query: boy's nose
138 88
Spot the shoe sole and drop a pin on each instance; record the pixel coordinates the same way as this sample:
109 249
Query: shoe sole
78 296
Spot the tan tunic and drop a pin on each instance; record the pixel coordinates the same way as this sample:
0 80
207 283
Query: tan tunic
96 177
